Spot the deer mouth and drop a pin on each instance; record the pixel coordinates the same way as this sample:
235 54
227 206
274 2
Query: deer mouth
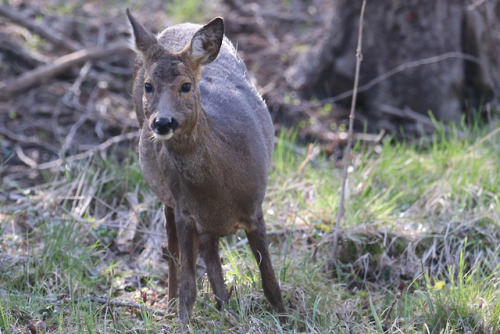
163 128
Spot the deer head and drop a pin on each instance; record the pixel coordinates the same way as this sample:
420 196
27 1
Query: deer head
171 97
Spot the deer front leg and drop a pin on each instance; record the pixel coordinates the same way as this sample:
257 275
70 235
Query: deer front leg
188 242
171 254
209 251
258 243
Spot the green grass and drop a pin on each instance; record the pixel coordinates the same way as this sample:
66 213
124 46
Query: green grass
466 301
189 10
418 250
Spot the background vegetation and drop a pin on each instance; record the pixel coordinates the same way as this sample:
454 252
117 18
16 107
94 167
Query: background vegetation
80 232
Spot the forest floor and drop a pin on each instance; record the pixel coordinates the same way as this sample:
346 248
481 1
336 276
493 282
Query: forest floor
80 232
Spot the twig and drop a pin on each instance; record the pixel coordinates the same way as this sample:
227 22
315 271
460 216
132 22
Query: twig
407 113
100 300
125 304
267 33
27 140
398 69
45 32
83 155
25 59
485 138
28 79
72 132
24 158
340 213
368 137
385 323
101 147
74 91
71 98
476 4
253 10
310 154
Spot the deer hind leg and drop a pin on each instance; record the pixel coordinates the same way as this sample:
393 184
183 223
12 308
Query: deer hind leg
209 251
171 254
258 243
188 242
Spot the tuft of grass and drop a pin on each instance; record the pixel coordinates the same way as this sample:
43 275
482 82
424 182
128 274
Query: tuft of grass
466 301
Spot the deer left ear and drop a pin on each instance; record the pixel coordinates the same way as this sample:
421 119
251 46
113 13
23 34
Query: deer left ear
206 42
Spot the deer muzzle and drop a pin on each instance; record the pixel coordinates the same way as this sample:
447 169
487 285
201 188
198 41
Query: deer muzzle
163 128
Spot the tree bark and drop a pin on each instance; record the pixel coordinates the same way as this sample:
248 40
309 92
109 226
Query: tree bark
437 55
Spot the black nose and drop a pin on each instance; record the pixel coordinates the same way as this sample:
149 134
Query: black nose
163 125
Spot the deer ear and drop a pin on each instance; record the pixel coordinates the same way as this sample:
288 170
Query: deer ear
206 42
141 39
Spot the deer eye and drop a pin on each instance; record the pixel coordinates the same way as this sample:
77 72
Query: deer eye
186 87
148 88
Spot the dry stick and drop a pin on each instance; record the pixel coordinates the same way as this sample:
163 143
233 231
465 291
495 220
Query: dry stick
401 68
485 138
100 300
61 64
86 154
125 304
27 139
72 94
385 323
476 4
101 147
411 115
44 32
359 58
407 113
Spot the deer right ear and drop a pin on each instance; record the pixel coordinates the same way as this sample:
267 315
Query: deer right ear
141 40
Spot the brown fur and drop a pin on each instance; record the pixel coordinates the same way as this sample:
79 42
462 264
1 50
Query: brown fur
212 172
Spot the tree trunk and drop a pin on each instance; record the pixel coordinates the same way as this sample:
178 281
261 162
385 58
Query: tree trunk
437 55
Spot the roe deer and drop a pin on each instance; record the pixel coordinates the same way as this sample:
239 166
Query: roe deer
205 150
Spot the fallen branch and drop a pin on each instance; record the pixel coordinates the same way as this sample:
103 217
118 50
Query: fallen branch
28 79
12 50
43 31
125 304
414 116
86 154
406 113
31 140
80 156
369 137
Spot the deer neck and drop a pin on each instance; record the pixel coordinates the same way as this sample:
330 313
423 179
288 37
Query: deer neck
190 151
